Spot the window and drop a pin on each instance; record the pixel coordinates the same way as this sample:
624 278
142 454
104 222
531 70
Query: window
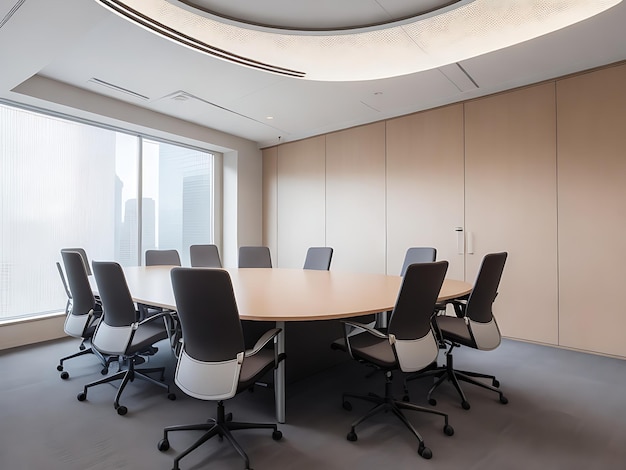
70 184
176 199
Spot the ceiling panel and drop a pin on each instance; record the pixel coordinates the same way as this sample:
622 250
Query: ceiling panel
73 41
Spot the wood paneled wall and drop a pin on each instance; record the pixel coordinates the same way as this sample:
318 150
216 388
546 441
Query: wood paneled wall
591 114
301 200
425 186
539 172
510 204
355 198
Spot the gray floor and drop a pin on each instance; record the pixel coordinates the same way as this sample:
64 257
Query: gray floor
566 410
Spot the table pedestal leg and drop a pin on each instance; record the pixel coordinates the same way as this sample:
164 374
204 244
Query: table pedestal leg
279 375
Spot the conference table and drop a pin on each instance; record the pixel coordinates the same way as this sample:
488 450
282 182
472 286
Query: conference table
289 295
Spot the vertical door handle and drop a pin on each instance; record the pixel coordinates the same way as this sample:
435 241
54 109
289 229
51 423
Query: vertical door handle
460 240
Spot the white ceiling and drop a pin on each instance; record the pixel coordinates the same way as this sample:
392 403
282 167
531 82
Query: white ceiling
76 41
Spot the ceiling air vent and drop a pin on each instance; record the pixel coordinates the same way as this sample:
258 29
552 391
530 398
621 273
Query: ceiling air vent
11 12
119 89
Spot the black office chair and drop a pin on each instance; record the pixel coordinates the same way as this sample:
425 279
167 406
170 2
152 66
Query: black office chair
474 327
214 364
205 256
82 310
119 333
408 345
254 257
162 258
318 258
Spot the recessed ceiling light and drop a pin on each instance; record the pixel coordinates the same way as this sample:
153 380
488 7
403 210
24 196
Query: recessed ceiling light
462 30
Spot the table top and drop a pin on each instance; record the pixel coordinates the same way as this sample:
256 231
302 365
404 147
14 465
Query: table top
282 295
276 294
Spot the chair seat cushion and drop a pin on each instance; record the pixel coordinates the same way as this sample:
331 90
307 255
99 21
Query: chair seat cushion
254 367
369 348
454 329
146 335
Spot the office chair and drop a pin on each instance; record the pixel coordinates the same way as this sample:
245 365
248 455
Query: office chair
205 256
474 327
408 345
214 364
162 258
254 257
318 258
82 310
119 333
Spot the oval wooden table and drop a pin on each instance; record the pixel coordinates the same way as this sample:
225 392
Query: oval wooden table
286 295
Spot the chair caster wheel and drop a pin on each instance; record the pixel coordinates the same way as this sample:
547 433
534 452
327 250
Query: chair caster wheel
65 375
425 452
105 371
228 417
347 405
171 396
277 435
82 396
163 445
504 400
448 430
465 405
351 436
496 383
59 367
406 398
432 402
122 410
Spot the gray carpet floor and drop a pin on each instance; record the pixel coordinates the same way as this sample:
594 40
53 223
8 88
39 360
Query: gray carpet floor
567 410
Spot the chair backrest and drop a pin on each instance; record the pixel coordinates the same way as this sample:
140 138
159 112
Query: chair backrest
116 328
83 301
213 344
485 290
117 303
254 257
83 255
478 311
319 258
205 256
410 324
418 254
162 258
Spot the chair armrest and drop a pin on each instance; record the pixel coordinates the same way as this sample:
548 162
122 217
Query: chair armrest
363 328
262 341
167 313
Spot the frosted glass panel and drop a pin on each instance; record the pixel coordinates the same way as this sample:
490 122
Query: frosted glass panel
69 184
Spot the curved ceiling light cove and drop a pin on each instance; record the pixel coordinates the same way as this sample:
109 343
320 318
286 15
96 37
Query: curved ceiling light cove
448 33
